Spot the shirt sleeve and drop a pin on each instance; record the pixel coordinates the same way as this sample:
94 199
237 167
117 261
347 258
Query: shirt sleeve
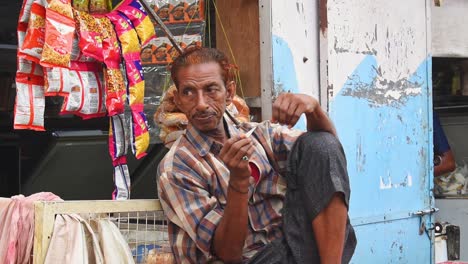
282 140
193 213
441 144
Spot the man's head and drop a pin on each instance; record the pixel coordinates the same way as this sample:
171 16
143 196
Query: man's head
204 81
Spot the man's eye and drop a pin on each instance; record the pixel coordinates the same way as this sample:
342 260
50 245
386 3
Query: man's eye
212 89
187 92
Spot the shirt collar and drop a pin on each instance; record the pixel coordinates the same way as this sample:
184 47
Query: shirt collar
203 143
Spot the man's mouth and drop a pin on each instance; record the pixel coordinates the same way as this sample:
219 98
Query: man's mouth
203 117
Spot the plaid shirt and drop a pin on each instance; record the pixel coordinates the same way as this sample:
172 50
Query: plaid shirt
193 184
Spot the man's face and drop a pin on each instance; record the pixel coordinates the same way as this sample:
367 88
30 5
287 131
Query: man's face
202 96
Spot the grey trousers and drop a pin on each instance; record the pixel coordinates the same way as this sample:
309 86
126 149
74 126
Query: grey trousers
316 171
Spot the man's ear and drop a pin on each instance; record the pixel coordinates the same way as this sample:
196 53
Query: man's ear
230 91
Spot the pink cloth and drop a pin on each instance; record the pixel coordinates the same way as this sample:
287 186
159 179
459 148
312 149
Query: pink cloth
17 226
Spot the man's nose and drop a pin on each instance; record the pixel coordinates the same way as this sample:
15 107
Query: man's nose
201 102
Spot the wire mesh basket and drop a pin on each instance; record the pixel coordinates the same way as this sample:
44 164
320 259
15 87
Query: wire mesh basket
141 222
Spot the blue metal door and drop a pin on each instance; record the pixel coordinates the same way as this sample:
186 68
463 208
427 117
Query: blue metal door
376 68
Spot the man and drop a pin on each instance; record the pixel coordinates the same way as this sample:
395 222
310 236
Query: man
238 198
444 160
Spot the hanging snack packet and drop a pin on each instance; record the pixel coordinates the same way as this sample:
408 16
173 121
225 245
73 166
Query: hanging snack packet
118 150
89 31
35 34
30 102
86 99
161 47
162 8
194 10
116 88
100 6
63 7
58 81
81 5
178 11
29 67
139 133
134 11
136 87
172 52
23 20
58 44
76 54
126 34
131 54
192 41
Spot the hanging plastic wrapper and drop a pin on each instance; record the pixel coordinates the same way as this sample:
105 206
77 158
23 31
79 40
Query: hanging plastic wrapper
85 95
131 53
118 151
30 102
134 11
59 33
33 42
116 88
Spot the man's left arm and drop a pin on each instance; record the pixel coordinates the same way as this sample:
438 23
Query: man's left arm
289 107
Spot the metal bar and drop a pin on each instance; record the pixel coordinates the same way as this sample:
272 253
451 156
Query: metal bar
266 58
450 107
158 20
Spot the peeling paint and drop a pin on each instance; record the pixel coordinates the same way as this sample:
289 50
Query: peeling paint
387 184
369 51
381 91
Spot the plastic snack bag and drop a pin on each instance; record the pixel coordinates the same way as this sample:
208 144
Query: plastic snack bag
100 6
89 31
58 44
34 38
30 102
116 87
85 91
135 89
134 11
81 5
118 150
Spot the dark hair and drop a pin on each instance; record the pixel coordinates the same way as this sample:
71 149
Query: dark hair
200 55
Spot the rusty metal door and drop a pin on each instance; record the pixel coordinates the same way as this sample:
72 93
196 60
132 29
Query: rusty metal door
376 70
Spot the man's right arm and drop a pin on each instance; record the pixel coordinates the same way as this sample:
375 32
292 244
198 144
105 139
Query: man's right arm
229 240
232 230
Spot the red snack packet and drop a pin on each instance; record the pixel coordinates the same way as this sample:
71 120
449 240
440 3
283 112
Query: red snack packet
116 87
58 44
89 31
34 38
30 102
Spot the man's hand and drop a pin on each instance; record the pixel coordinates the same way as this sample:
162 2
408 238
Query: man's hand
231 154
288 108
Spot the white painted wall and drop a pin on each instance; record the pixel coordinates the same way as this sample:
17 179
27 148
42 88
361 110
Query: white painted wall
375 27
449 28
296 22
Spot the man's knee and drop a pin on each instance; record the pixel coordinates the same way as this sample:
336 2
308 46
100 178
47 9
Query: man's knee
318 143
